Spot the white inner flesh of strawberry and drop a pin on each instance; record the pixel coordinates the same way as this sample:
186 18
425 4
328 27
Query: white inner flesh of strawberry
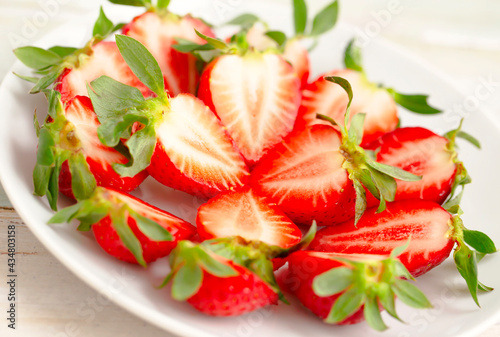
257 101
195 142
86 124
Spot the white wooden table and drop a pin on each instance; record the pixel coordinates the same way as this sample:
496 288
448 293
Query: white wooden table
462 37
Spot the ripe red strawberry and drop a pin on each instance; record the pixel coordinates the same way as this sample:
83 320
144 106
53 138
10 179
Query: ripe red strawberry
244 213
101 59
319 174
71 69
256 96
422 152
347 289
71 159
158 30
181 142
305 178
228 276
433 232
126 227
320 97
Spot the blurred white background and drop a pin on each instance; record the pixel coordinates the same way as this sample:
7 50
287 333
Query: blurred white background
460 37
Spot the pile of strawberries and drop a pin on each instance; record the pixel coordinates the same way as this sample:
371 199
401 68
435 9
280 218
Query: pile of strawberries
237 122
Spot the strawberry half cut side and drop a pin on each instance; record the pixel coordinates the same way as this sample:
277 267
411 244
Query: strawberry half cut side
347 289
244 213
70 157
70 69
433 232
126 227
227 276
158 30
180 141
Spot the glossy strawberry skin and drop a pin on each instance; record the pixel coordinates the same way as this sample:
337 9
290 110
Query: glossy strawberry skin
102 170
427 223
323 97
105 59
243 213
421 152
107 237
304 177
303 267
217 89
232 296
168 166
158 32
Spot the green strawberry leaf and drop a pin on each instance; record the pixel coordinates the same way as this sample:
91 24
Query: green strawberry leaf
356 128
46 81
83 182
186 282
141 146
411 295
479 241
127 237
188 46
400 250
360 206
326 19
466 262
468 137
483 287
45 154
387 300
414 103
372 315
394 172
135 3
244 20
153 230
37 58
346 305
300 16
277 36
66 214
333 281
348 89
163 4
213 266
53 186
142 63
216 43
353 57
41 178
103 26
27 78
63 51
386 188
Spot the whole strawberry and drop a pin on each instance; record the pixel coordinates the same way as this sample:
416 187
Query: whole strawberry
179 140
127 228
71 159
348 289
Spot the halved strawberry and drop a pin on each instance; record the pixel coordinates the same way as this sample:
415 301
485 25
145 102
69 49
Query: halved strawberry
305 178
71 69
244 213
433 232
320 97
158 30
127 228
71 159
181 142
227 276
347 289
101 59
256 96
319 174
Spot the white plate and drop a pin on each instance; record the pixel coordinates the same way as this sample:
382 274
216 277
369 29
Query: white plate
131 287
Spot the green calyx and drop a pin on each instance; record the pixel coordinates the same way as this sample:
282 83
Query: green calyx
369 284
462 177
103 203
471 247
58 143
188 261
49 64
415 103
120 107
161 5
363 170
